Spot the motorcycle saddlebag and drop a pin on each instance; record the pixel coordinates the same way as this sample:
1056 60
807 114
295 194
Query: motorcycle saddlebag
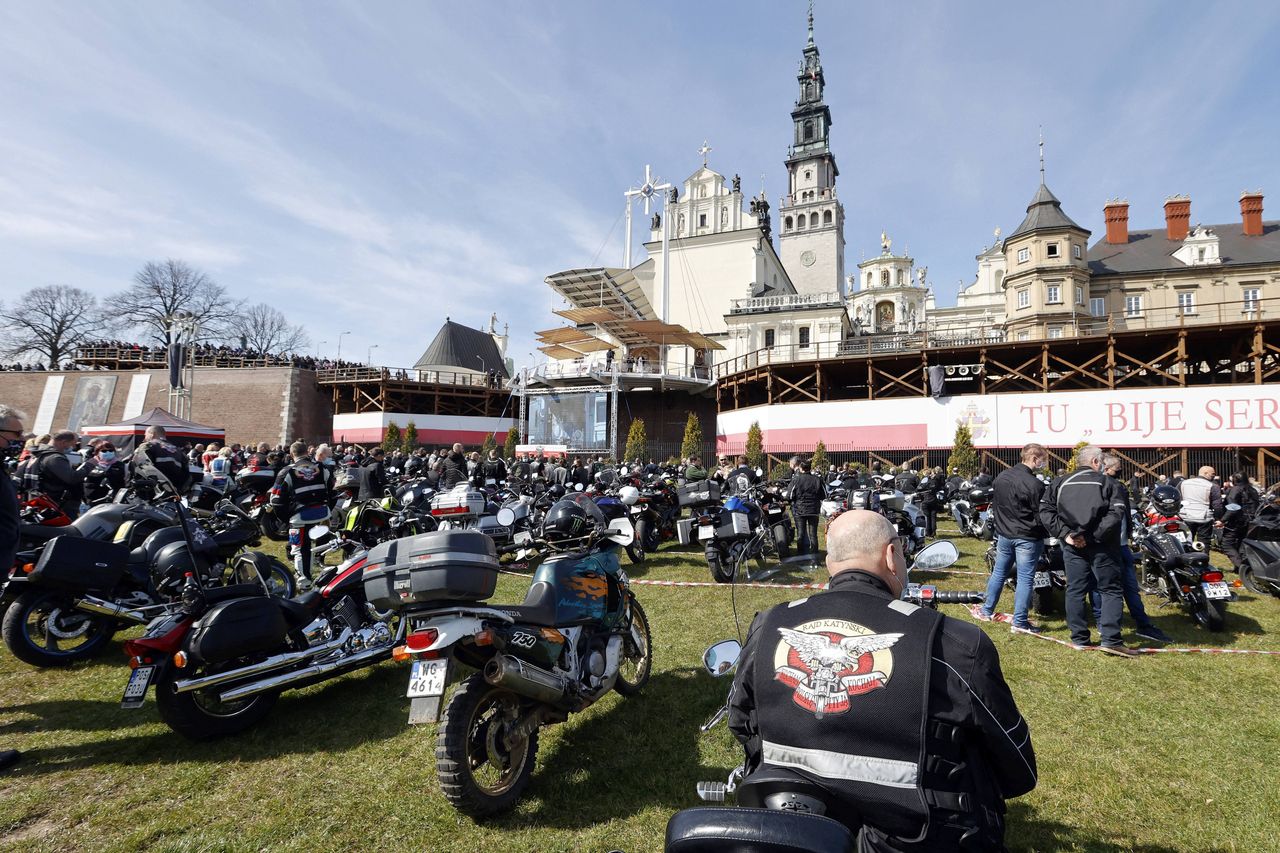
236 628
684 530
71 563
735 524
698 493
443 565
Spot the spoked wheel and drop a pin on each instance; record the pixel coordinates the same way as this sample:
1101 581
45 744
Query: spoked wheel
276 577
43 629
482 769
637 654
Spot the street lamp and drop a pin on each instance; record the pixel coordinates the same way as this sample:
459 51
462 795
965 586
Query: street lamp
368 359
339 356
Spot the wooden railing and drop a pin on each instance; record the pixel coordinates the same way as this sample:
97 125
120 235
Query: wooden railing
364 373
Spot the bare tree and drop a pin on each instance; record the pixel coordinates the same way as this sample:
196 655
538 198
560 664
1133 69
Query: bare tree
266 330
50 322
163 288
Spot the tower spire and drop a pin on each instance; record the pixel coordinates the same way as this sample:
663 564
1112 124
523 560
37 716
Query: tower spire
1041 155
810 23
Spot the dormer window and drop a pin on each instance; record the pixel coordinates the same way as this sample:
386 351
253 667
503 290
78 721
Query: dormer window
1051 250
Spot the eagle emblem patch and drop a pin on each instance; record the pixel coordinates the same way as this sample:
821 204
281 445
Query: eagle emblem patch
828 661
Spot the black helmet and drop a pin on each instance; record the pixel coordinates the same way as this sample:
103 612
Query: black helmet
566 523
557 491
1166 499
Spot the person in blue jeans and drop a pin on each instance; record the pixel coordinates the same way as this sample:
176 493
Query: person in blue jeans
1128 574
1020 536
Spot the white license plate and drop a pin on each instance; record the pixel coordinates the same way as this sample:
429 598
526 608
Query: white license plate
636 510
427 677
706 531
1216 590
1042 579
135 692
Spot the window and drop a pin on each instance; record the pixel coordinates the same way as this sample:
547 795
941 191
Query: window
813 220
1076 253
1024 255
1079 295
808 131
1053 294
769 336
999 278
1024 335
902 278
799 222
1055 332
786 224
1024 298
1051 250
1186 302
884 277
1133 306
807 175
826 218
870 280
1250 300
804 337
702 220
1098 306
1200 255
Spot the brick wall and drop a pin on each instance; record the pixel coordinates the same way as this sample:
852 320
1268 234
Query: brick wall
251 404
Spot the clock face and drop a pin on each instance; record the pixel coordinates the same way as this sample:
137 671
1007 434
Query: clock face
807 258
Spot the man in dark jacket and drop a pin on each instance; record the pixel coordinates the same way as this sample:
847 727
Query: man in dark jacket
373 476
302 496
1085 512
157 458
455 467
907 481
494 469
1015 511
1236 521
899 711
11 421
52 474
806 495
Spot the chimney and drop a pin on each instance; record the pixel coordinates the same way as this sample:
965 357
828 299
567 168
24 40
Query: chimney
1116 214
1251 212
1177 216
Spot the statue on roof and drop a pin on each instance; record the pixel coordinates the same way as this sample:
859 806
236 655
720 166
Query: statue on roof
657 221
885 243
737 184
675 194
922 274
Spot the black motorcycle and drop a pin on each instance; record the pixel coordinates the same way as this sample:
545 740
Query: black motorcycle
1260 571
1049 584
1174 566
748 528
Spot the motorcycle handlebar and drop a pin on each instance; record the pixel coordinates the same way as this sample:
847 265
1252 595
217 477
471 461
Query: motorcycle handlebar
930 596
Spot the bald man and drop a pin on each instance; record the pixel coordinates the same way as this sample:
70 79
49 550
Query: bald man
901 712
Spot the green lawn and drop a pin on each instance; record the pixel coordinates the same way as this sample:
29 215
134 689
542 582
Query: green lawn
1163 753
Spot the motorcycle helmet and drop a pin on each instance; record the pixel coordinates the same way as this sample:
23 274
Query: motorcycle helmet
565 524
629 495
557 491
1166 500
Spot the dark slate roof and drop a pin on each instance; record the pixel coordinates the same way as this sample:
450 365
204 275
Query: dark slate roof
462 346
1044 212
1153 251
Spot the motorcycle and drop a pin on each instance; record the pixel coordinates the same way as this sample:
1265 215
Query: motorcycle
793 807
750 526
656 512
220 663
1049 584
579 633
906 517
70 600
1174 566
975 512
1260 572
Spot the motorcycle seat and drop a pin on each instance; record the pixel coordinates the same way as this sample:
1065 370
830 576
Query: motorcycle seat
539 607
236 590
703 830
1187 559
300 610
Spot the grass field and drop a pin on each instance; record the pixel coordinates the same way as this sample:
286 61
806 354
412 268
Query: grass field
1163 753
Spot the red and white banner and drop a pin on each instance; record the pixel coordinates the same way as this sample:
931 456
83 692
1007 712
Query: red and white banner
1209 416
369 427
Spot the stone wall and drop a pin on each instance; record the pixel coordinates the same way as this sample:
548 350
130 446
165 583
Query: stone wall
272 404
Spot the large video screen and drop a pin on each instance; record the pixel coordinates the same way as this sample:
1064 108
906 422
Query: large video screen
579 420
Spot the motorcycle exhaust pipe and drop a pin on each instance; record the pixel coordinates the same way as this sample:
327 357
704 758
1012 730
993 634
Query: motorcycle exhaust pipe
271 663
527 680
319 670
110 608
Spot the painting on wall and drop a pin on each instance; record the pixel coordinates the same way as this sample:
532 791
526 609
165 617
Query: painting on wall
92 401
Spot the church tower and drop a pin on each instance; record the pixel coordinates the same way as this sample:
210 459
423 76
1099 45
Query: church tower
811 241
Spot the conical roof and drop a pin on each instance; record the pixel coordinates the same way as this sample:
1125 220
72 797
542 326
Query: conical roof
1044 213
457 345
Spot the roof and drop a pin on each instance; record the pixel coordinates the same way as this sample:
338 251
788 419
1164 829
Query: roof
1152 250
461 346
173 426
1044 213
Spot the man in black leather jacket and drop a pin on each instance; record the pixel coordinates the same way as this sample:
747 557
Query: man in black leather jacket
806 495
901 712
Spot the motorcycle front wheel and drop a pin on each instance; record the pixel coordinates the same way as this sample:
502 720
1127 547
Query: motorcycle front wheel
636 552
44 629
647 534
479 772
201 715
637 654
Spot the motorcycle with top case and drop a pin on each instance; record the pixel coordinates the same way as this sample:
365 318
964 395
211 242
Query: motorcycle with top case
579 633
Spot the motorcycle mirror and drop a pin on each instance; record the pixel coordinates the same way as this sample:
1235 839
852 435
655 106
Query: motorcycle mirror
621 532
577 487
759 471
722 657
506 516
936 555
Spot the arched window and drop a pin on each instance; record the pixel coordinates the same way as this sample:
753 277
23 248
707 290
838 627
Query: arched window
870 279
999 278
902 278
800 222
813 220
786 224
808 131
884 278
826 218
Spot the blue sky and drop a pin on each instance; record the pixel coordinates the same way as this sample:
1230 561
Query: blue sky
376 166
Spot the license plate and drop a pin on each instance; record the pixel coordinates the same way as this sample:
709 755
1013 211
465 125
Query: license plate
1216 590
427 678
1042 579
706 531
135 692
636 510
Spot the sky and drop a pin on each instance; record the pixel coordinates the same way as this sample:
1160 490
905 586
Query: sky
373 167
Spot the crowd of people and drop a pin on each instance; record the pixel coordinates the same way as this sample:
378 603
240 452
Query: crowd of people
203 355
